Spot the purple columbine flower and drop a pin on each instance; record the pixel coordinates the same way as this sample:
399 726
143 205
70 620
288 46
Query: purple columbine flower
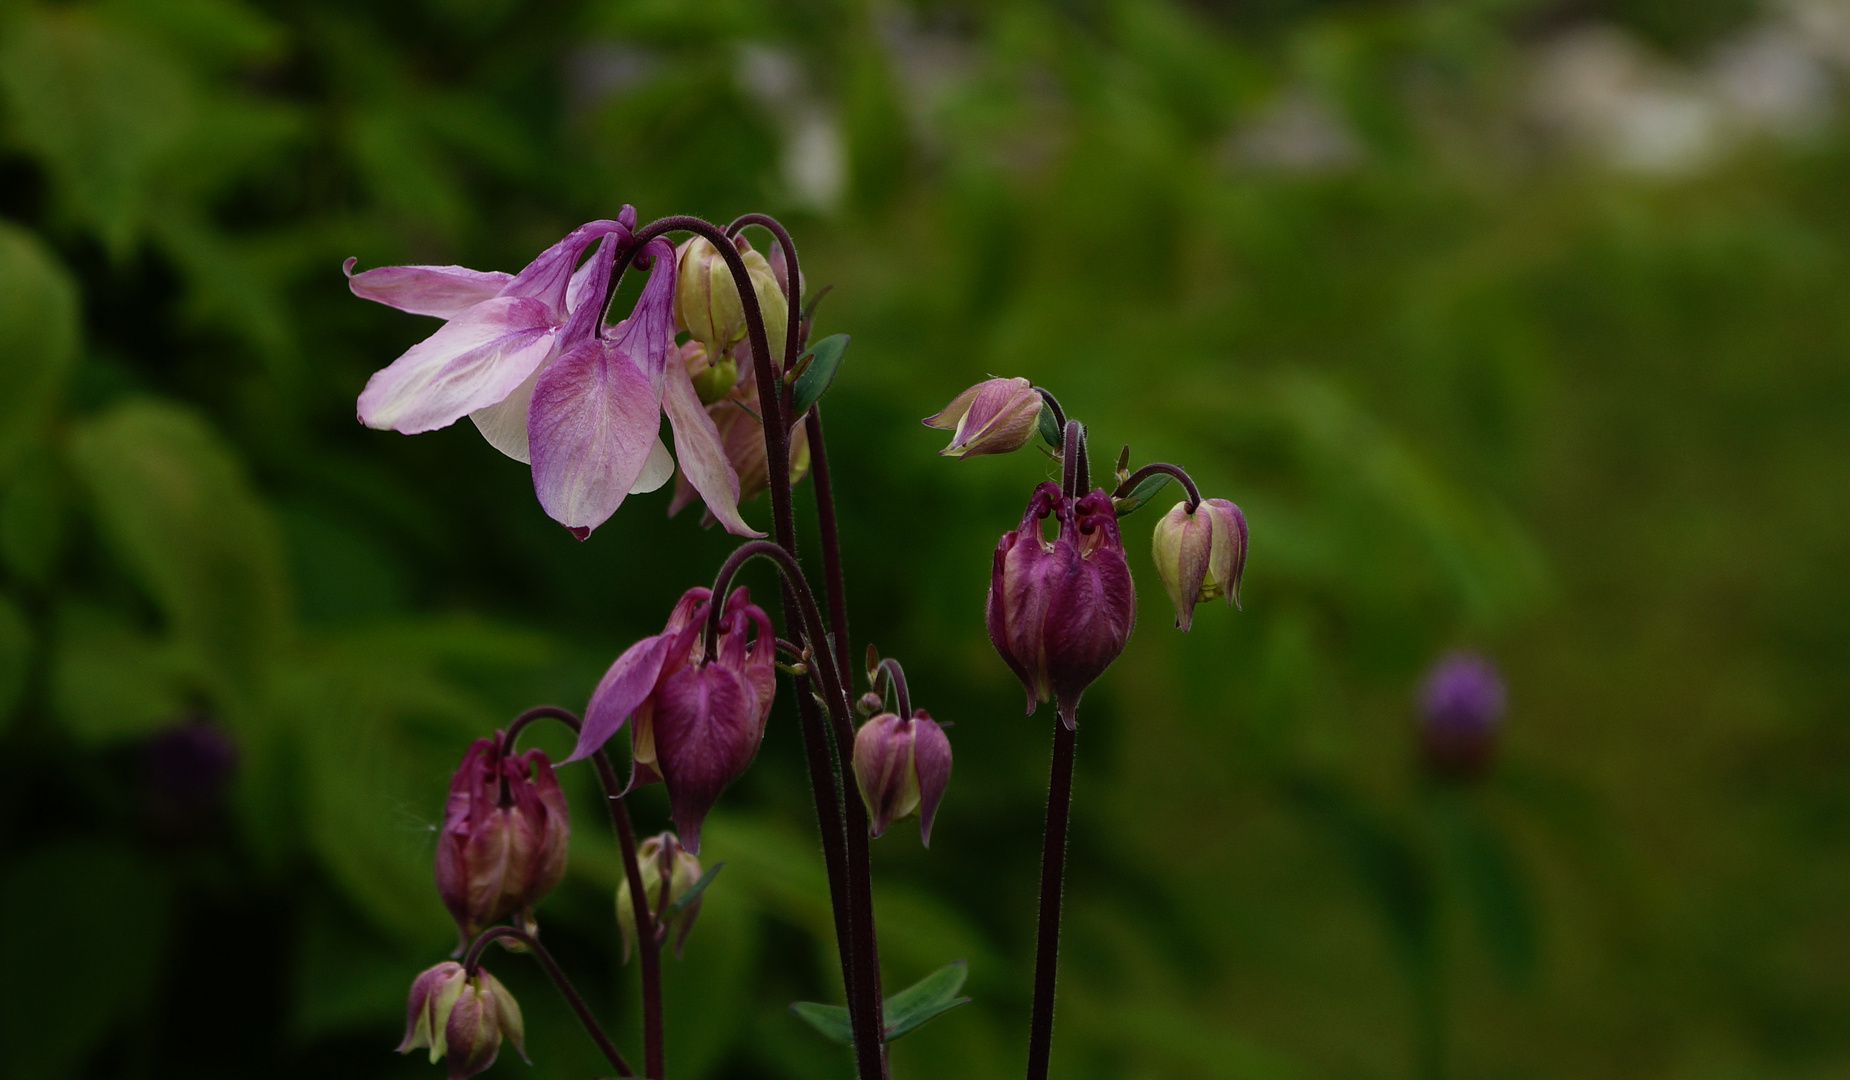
902 767
996 416
698 721
1462 713
1060 611
527 357
189 766
504 838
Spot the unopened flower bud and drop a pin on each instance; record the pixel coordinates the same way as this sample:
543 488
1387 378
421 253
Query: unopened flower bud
706 300
1462 713
902 767
461 1018
658 858
712 380
870 704
1060 611
1200 556
504 838
992 417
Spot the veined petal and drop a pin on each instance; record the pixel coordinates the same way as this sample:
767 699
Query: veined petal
593 280
471 362
647 336
656 471
702 456
443 291
931 759
629 680
549 275
590 428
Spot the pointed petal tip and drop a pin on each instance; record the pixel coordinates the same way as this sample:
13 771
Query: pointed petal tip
579 532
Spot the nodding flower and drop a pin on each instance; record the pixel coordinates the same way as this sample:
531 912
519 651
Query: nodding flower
1201 555
902 766
1061 610
505 831
698 721
992 417
462 1018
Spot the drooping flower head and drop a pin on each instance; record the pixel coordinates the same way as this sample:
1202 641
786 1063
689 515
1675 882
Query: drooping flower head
1061 610
461 1018
505 832
529 358
1461 706
902 766
1200 556
661 858
992 417
698 721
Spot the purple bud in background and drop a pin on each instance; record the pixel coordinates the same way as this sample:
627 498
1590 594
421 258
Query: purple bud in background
1461 708
1060 611
992 417
504 838
189 767
902 768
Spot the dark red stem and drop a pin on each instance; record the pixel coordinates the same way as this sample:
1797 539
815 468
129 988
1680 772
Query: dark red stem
472 963
1176 471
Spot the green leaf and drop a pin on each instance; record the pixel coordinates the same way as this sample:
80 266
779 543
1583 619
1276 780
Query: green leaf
693 892
1145 490
926 999
180 514
97 919
1049 427
905 1011
15 656
111 682
831 1020
38 339
100 108
824 358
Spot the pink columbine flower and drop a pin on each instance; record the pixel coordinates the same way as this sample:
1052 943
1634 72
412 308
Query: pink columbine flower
504 838
527 357
1060 611
698 722
902 766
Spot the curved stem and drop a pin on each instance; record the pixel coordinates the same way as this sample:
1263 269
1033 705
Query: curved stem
652 1040
813 629
793 292
1072 458
1176 471
896 675
832 580
1059 414
472 963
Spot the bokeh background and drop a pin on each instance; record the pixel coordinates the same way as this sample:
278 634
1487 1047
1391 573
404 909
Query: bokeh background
1517 325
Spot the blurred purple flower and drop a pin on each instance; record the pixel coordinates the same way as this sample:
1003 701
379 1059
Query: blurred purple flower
189 767
1461 705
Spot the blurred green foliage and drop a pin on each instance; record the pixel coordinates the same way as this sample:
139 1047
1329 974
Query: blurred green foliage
1470 387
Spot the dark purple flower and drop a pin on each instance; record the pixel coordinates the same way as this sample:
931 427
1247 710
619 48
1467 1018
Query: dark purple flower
504 838
902 767
698 722
1462 712
189 766
1060 611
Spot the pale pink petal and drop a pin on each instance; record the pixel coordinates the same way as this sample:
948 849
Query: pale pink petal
443 291
702 456
471 362
656 471
647 336
504 424
623 687
590 428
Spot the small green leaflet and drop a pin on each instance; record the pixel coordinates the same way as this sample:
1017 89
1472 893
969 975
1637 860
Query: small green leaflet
1050 428
1141 494
819 366
929 997
693 892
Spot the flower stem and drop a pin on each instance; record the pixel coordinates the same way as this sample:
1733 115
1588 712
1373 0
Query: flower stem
896 676
472 962
1053 403
1181 476
1059 809
832 581
648 943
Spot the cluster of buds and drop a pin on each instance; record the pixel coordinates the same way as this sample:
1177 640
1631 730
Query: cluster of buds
660 859
699 708
706 301
462 1018
503 844
1061 610
1461 709
902 766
